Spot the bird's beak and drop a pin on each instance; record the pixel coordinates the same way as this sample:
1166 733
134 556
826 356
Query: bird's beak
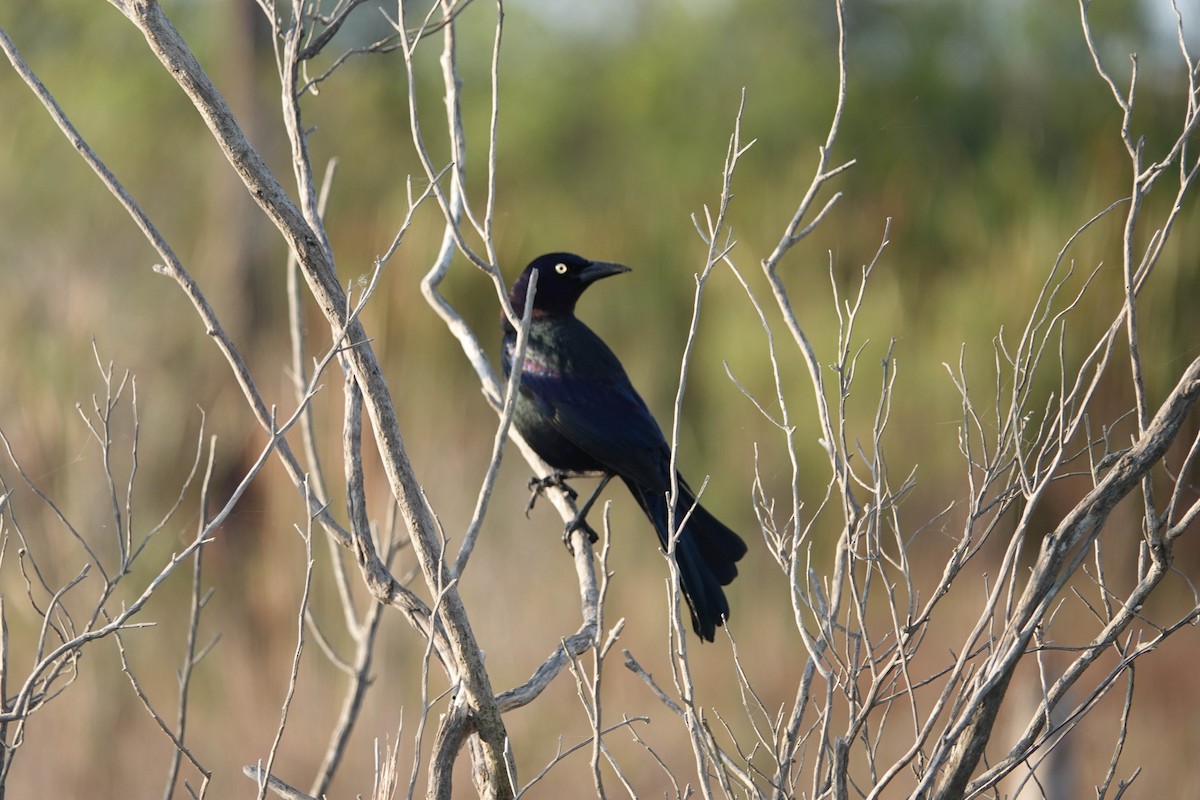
600 269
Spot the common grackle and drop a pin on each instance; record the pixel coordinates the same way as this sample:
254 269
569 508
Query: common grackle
578 410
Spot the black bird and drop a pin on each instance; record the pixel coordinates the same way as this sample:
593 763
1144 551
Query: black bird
578 410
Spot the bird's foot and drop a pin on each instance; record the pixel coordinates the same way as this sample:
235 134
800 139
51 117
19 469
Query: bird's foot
578 524
580 520
555 480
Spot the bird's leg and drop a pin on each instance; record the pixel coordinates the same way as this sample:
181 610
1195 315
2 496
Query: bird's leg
538 485
580 520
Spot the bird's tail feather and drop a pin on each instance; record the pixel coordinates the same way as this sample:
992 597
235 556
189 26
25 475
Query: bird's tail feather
706 551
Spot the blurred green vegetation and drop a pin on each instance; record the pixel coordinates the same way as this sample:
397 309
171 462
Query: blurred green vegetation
981 130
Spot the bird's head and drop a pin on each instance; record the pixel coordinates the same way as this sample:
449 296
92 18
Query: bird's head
562 277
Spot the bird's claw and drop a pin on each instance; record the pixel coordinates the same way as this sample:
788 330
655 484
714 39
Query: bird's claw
555 480
578 524
558 480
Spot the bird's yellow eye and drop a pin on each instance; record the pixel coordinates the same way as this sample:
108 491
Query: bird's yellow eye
561 269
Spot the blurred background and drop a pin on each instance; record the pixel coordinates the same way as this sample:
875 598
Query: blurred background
981 130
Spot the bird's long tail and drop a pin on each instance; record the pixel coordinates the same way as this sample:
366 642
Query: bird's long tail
706 552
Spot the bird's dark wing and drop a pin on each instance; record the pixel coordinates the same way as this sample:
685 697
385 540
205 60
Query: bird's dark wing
602 414
593 405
